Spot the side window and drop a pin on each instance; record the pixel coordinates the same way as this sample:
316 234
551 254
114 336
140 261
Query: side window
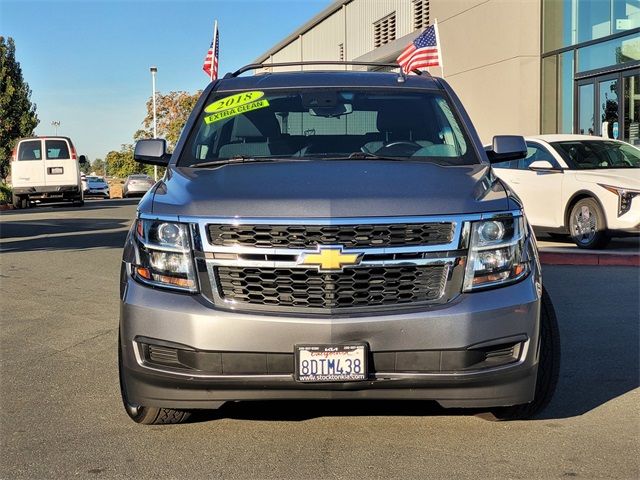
30 150
57 149
536 152
510 164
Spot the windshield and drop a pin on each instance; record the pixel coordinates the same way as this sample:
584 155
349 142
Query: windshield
598 154
328 124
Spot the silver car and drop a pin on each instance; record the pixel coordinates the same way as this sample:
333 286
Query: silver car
332 235
95 187
137 185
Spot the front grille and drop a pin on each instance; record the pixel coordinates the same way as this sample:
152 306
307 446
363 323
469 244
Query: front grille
352 287
348 236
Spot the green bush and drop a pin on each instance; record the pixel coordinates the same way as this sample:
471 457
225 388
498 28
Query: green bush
5 193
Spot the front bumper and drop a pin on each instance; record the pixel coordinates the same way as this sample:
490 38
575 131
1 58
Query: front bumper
490 317
48 190
97 193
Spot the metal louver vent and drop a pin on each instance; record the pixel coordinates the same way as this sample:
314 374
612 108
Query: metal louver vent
420 14
384 30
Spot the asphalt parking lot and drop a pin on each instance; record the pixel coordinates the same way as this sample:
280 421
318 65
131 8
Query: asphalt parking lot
61 415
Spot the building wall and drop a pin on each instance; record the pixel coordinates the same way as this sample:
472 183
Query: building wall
321 42
362 14
491 56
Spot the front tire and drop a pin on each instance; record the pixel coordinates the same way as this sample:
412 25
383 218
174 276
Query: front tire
587 224
147 415
548 367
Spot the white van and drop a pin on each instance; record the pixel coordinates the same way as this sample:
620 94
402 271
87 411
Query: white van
46 169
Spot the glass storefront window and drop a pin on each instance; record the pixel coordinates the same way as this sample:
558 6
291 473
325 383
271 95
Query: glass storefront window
565 92
549 94
612 52
557 24
586 117
568 22
594 19
631 98
608 107
626 15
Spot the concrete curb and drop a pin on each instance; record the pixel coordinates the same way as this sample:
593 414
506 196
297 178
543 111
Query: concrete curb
604 259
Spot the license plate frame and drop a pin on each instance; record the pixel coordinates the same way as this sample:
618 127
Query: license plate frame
326 352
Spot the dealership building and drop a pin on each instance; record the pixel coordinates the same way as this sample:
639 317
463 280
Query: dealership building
519 66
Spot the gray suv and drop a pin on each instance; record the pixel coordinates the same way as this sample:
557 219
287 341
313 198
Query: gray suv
332 235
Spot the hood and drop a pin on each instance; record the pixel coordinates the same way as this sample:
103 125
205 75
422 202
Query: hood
351 188
615 177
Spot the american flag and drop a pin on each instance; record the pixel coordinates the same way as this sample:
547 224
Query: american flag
211 60
423 52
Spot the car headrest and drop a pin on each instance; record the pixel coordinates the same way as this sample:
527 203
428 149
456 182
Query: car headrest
396 120
256 124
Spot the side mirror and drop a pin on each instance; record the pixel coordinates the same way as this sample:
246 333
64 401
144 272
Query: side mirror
152 151
543 166
507 147
82 160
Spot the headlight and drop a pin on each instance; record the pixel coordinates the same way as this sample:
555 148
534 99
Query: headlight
625 196
496 253
164 255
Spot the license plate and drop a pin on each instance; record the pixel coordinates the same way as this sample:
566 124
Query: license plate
331 363
56 170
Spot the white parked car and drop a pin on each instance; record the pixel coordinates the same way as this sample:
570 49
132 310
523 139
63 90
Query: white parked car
581 185
95 187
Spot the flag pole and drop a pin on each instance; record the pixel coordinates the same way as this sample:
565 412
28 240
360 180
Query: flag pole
435 26
213 56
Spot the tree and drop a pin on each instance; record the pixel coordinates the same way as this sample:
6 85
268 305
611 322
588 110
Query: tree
172 112
98 166
121 163
86 168
17 114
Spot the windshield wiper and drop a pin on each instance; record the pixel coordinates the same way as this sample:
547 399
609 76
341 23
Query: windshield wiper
241 159
354 156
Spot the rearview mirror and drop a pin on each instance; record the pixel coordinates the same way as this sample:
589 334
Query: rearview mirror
82 159
152 151
507 147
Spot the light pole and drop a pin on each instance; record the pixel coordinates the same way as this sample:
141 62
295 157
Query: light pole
154 70
55 124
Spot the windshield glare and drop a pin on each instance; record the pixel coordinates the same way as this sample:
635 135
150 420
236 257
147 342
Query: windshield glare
328 124
598 154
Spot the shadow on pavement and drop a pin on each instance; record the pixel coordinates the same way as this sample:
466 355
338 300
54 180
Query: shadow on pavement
66 207
62 234
67 242
297 411
598 310
69 226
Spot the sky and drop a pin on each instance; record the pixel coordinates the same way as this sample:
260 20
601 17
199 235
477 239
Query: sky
87 61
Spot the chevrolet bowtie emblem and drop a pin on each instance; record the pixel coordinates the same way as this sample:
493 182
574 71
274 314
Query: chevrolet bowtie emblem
330 259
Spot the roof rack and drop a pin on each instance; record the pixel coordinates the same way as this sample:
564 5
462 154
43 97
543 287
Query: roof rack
256 66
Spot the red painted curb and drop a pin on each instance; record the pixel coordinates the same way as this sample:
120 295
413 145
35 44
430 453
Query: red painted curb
555 258
6 207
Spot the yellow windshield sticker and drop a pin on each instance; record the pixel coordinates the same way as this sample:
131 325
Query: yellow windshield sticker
233 101
232 112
